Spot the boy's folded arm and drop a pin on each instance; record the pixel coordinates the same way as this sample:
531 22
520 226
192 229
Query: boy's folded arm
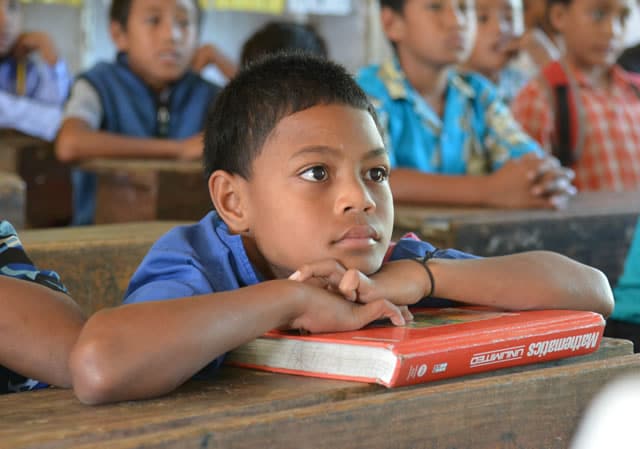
38 328
77 140
148 349
530 280
29 116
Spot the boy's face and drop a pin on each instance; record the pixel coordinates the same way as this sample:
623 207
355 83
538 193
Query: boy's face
160 39
499 24
593 30
434 32
534 12
319 190
10 24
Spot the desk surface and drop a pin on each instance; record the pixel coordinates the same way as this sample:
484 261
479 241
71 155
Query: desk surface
533 406
142 165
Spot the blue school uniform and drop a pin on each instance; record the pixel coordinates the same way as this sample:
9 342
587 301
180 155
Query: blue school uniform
15 263
627 292
131 108
476 134
205 258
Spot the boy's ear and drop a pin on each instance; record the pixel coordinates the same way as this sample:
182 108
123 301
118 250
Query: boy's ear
392 24
229 197
118 36
558 17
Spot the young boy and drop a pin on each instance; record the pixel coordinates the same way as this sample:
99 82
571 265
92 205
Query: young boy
39 323
34 81
298 176
605 97
438 122
146 104
500 26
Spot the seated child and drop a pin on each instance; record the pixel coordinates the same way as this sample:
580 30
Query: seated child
280 36
145 104
499 29
298 175
440 122
34 81
39 323
602 144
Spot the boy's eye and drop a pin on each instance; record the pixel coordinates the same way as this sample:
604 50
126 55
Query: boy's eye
434 5
153 20
378 174
483 17
598 14
317 173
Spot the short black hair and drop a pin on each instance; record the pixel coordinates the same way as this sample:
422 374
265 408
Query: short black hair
278 36
396 5
249 108
120 9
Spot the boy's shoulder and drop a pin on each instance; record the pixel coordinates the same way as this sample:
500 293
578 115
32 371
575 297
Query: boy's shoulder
474 86
383 81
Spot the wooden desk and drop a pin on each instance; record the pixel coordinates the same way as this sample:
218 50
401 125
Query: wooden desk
12 199
141 190
537 406
94 262
596 229
48 193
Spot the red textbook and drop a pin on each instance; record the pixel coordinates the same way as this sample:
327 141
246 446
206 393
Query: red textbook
438 344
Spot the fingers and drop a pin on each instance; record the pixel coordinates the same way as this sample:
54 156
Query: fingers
406 313
377 310
330 272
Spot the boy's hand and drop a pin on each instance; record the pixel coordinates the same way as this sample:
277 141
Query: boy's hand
514 185
553 181
324 311
402 282
36 41
191 148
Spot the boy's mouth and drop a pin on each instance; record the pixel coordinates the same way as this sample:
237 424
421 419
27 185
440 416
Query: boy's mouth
171 57
359 236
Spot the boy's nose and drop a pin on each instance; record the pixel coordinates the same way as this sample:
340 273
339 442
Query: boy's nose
354 197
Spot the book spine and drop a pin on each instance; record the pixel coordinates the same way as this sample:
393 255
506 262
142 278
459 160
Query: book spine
470 359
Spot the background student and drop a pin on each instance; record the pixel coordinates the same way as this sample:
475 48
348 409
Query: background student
280 36
500 27
440 122
298 176
148 103
34 81
39 322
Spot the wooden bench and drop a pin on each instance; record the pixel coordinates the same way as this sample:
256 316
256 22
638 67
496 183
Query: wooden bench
596 229
94 262
48 193
141 190
536 406
12 199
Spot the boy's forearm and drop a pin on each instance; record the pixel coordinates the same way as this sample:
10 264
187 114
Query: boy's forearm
76 141
531 280
415 187
145 350
38 328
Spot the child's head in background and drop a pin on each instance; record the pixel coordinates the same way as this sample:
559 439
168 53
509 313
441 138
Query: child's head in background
10 24
593 30
500 24
435 33
158 36
297 166
282 36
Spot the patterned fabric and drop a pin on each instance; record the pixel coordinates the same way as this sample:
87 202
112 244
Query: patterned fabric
610 157
510 83
205 258
476 134
15 263
33 106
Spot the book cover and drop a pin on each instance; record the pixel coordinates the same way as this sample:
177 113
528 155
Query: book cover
438 344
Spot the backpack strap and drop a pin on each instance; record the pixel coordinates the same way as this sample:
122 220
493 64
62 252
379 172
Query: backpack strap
569 114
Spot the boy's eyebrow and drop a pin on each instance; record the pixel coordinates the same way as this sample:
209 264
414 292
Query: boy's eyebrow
322 149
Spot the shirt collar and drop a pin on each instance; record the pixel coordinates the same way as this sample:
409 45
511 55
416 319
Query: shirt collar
619 77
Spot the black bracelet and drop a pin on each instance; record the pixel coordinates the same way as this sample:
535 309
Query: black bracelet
423 261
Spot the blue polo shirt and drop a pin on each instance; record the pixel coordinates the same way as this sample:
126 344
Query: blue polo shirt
206 258
475 135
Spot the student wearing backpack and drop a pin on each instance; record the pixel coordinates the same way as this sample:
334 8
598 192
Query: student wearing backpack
585 108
